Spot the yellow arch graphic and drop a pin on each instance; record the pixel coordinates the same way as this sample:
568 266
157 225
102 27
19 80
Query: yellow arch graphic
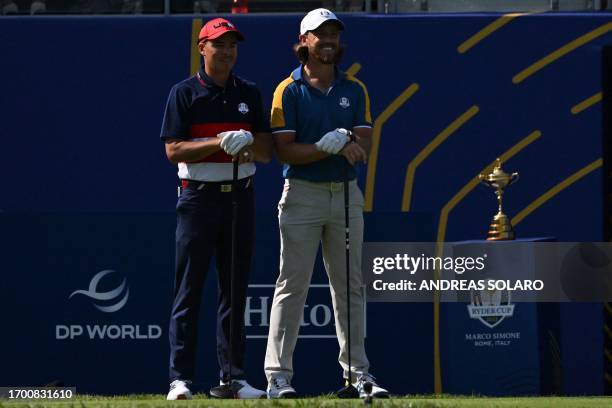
353 69
196 26
487 31
378 124
587 103
566 49
524 213
442 223
431 146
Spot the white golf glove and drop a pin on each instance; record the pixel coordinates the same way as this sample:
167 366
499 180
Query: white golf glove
332 142
233 141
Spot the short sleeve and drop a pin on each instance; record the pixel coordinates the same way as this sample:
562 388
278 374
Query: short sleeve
362 114
284 112
177 118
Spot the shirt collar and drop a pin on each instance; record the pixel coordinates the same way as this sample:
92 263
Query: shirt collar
207 81
297 74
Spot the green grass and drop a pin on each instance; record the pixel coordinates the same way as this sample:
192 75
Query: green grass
416 401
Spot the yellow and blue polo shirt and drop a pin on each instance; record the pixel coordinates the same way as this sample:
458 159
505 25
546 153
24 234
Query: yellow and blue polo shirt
301 108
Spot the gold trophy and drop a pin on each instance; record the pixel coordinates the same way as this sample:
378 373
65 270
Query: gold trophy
500 228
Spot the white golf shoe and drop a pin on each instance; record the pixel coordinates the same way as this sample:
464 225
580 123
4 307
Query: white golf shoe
179 390
279 387
376 392
244 390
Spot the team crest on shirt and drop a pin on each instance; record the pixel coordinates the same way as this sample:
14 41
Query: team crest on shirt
243 108
344 102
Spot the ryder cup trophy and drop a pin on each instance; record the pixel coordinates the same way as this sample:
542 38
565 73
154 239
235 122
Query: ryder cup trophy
500 228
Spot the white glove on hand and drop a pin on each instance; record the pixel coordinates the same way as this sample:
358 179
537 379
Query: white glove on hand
332 142
233 141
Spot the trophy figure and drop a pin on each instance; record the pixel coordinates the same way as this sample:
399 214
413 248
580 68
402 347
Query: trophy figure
500 228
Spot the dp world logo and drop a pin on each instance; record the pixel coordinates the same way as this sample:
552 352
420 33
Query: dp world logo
112 300
108 301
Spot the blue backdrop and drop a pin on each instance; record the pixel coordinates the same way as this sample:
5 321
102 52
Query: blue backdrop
86 186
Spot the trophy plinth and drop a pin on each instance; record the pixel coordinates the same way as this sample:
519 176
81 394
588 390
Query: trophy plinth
500 228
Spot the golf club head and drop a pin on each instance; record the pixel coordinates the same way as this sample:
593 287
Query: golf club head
347 391
367 387
225 391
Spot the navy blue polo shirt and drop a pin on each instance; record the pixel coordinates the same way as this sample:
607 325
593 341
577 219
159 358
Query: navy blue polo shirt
198 109
299 107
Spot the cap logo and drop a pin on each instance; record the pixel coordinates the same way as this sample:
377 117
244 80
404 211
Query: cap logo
325 13
243 108
223 24
344 102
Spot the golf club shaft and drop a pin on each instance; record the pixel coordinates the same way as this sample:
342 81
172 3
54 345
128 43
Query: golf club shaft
348 278
233 262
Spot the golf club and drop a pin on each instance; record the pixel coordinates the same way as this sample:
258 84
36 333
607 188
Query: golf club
229 390
348 391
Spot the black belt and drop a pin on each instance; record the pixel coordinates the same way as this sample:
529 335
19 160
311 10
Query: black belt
221 186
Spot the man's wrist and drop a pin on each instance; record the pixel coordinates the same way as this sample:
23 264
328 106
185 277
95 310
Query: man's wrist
345 146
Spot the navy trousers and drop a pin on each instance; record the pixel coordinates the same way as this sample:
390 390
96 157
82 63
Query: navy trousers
204 228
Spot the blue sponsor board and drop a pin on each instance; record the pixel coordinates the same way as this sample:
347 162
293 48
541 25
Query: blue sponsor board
494 346
88 302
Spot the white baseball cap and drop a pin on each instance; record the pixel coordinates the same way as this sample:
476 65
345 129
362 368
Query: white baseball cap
316 17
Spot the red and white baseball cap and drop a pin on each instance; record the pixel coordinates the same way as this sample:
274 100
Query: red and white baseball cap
316 17
215 28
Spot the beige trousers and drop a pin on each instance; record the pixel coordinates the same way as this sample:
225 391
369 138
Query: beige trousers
312 213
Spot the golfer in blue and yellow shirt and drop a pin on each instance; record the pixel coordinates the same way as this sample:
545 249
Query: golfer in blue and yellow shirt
313 111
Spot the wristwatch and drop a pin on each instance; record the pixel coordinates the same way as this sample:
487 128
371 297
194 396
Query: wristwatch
351 135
